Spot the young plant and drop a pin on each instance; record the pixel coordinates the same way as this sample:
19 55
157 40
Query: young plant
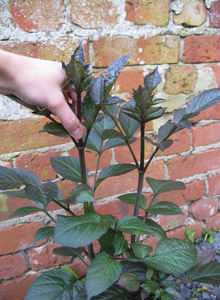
124 268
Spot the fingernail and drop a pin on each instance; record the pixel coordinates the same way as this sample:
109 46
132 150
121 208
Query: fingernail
77 134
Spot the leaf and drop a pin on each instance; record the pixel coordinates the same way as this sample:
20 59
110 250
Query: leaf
68 167
162 186
129 281
152 80
76 71
114 70
131 199
107 242
150 286
81 194
25 211
209 273
172 256
55 284
68 251
101 275
79 291
178 115
128 124
79 54
111 133
156 229
94 141
89 109
159 112
165 208
116 142
114 170
113 100
56 129
97 90
165 131
115 292
13 178
120 244
78 231
103 123
143 98
202 102
43 193
132 225
138 268
140 250
44 233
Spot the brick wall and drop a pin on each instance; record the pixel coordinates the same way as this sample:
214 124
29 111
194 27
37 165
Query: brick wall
182 38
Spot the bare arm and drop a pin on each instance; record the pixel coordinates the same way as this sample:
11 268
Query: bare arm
40 83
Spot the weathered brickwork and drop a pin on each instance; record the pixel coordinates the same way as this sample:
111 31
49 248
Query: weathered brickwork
182 38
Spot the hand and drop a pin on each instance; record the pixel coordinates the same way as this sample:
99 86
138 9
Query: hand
40 83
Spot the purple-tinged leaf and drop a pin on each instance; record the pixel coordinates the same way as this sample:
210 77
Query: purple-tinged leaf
129 281
205 257
152 80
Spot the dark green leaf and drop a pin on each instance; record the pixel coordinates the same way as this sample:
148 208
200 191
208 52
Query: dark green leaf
202 102
44 233
159 112
138 268
172 256
68 167
17 194
55 129
89 109
114 170
152 80
156 229
76 71
103 123
82 193
143 98
78 231
111 133
79 291
43 193
131 199
25 211
116 142
165 144
165 208
13 178
68 251
115 292
129 281
101 275
132 225
128 124
140 250
110 110
120 244
107 242
55 284
209 273
113 100
162 186
114 70
165 131
94 141
97 90
150 286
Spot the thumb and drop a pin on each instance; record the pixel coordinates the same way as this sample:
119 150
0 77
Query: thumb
69 120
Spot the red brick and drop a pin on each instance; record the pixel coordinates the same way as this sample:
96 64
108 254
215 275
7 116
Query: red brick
12 266
203 208
181 143
91 158
93 14
123 155
39 163
27 135
214 185
194 191
146 12
152 50
38 15
214 222
200 49
180 79
116 208
129 80
66 187
206 135
214 12
216 70
182 167
152 242
42 258
127 182
7 164
18 237
58 50
180 233
173 221
79 267
16 289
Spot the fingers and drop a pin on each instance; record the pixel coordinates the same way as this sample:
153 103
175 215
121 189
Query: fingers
69 120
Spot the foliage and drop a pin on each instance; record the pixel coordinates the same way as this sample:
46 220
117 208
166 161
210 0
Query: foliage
124 268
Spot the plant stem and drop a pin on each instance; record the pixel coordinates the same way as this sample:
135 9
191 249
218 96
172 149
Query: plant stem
64 207
47 213
97 167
